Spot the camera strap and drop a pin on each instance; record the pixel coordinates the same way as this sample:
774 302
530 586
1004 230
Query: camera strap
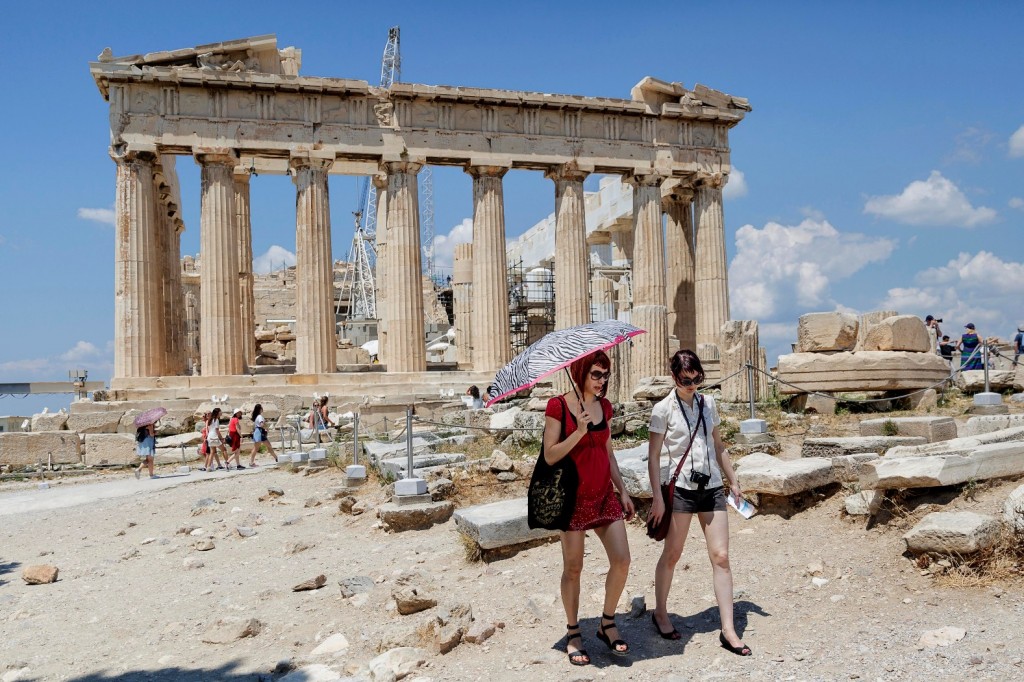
689 446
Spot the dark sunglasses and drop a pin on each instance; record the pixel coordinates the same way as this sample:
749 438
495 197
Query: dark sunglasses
600 376
686 383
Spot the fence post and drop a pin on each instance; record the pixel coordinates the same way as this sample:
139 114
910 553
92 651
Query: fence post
984 360
355 439
408 441
750 388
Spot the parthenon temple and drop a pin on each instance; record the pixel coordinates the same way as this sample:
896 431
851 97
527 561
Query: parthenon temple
240 106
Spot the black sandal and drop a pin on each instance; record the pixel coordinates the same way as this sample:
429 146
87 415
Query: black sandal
741 650
614 646
580 656
665 635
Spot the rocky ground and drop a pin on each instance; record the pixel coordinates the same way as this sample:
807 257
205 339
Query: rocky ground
195 582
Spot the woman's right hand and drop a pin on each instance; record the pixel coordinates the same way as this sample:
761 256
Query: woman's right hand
583 420
657 509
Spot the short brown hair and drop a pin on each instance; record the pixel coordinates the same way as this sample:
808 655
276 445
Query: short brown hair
685 360
579 369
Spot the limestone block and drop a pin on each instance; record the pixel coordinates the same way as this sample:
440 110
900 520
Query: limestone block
176 441
50 421
813 402
109 448
973 380
848 468
953 533
653 388
25 449
996 460
95 422
504 420
633 469
864 503
932 429
738 345
987 424
264 334
529 426
817 332
414 516
498 524
352 356
959 446
761 473
1013 510
869 320
861 371
849 445
902 332
176 421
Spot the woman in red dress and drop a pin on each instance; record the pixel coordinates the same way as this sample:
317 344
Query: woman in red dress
601 498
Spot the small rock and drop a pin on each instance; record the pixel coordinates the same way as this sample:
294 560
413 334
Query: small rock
507 476
815 568
197 532
396 664
836 598
819 582
500 462
638 606
254 520
360 507
203 546
231 629
131 554
346 503
440 489
479 632
245 531
409 600
147 541
311 502
40 574
334 644
275 492
292 520
359 584
298 546
192 562
204 505
976 660
942 637
311 584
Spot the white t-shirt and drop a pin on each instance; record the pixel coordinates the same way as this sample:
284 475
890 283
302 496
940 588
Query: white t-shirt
678 426
260 421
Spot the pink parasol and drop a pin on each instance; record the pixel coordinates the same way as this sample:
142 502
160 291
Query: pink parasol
150 416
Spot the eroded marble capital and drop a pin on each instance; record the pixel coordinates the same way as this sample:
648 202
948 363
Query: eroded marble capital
408 167
315 163
644 180
570 172
487 171
711 180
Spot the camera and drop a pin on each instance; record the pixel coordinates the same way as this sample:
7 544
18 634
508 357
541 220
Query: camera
939 320
700 478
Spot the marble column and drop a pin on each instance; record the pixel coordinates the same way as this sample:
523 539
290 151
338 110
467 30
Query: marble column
572 258
406 345
711 288
650 350
138 304
380 186
462 292
178 325
492 343
315 331
247 301
738 346
602 291
679 271
220 337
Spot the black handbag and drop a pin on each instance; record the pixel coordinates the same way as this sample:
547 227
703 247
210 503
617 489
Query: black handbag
551 499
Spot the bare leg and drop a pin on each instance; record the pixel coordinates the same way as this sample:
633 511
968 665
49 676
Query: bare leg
716 532
149 463
572 568
613 537
666 567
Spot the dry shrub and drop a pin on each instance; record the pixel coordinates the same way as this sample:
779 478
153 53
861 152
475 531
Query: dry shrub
998 565
471 549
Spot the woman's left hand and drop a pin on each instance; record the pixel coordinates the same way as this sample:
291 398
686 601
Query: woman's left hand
737 494
627 505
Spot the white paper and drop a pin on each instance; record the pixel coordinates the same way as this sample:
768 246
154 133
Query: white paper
745 509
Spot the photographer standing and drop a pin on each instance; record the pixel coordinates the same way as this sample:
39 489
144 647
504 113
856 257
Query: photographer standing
934 333
681 417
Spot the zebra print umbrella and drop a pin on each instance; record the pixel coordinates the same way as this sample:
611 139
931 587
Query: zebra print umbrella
556 350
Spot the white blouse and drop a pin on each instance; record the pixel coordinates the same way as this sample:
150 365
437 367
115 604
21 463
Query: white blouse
679 426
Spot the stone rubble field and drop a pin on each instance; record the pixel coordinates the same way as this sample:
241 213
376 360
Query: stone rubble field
274 575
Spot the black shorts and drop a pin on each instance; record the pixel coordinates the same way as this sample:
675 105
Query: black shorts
694 501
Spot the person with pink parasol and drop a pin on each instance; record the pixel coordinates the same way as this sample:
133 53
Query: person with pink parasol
145 439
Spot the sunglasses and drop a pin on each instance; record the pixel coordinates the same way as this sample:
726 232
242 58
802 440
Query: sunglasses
686 383
600 376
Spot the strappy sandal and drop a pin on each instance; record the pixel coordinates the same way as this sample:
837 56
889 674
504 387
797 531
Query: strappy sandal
665 635
580 656
741 650
614 646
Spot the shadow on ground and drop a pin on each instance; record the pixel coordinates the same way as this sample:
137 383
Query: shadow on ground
644 642
7 567
229 672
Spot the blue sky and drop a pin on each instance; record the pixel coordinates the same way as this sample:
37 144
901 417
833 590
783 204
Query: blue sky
880 166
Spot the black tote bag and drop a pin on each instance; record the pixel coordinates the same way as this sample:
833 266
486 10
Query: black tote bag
551 499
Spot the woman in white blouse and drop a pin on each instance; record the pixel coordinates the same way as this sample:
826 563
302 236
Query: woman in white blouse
681 417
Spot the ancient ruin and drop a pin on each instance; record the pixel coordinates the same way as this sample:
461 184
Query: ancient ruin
242 105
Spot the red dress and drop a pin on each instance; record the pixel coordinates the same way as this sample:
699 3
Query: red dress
596 502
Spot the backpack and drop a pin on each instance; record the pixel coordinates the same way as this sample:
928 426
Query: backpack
141 434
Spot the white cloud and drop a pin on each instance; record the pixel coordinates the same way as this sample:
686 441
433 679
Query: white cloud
444 244
24 368
782 270
969 145
980 288
737 185
97 215
935 201
1014 202
82 350
1017 143
275 258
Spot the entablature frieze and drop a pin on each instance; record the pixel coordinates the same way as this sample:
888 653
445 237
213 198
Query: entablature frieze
265 116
